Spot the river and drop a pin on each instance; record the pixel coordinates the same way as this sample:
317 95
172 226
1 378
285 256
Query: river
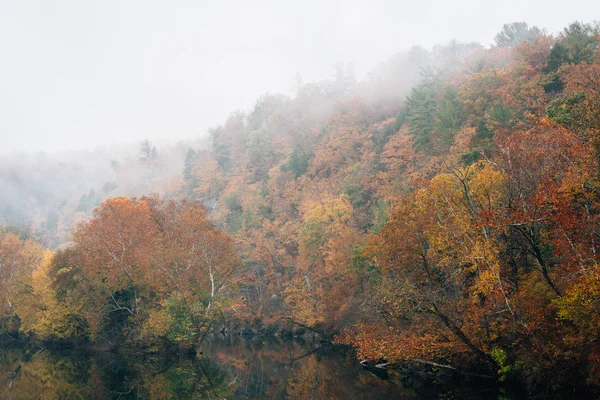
235 368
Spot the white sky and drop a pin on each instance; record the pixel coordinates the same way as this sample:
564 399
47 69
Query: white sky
76 73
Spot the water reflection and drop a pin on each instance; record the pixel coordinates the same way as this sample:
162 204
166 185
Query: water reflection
296 370
232 368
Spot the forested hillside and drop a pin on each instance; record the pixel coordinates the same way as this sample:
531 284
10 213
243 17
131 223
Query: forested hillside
444 210
458 226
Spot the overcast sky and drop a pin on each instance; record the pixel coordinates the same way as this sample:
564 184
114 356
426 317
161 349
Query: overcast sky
76 73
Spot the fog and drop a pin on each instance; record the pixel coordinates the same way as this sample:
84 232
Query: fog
76 74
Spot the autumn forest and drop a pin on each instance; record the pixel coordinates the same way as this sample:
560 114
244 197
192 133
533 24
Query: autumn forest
442 212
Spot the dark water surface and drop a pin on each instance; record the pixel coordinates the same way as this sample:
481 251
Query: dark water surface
230 368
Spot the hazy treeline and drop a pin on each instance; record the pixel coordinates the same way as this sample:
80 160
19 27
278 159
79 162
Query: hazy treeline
48 193
443 210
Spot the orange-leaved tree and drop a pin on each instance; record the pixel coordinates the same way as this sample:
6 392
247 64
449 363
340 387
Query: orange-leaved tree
149 266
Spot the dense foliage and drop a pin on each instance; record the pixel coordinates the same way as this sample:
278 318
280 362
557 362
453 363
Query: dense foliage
488 174
140 270
445 210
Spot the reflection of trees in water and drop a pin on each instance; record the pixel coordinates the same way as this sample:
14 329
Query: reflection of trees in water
40 374
235 368
43 374
294 370
164 378
190 379
269 369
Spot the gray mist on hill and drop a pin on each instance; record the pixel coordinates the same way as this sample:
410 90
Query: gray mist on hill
105 99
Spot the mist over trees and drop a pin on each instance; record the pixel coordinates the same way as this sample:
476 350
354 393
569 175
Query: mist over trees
517 32
443 211
47 194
